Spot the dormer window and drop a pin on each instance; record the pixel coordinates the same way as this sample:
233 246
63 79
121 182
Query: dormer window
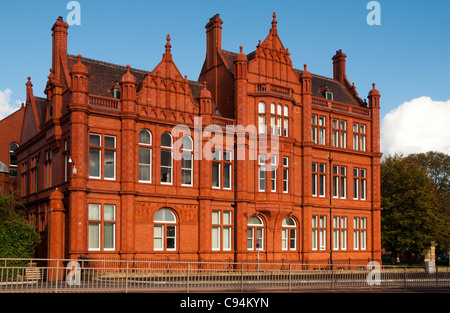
116 93
329 95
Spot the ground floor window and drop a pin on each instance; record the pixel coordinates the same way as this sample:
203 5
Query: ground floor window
101 227
289 234
165 230
255 233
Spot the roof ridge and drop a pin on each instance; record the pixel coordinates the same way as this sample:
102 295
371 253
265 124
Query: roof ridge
122 67
228 52
109 64
319 76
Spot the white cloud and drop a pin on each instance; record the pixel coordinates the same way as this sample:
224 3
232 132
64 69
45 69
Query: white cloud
416 126
6 107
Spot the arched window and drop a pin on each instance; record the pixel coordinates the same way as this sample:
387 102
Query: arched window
165 230
286 122
145 156
255 233
187 161
166 158
289 234
262 118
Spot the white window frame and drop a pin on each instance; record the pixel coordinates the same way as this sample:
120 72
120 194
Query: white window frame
315 179
285 174
114 156
227 160
273 174
262 118
187 151
262 169
145 145
322 180
164 224
363 188
219 170
286 235
254 231
170 150
99 148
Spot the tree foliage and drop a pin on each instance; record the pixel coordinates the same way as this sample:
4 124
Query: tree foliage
412 203
18 238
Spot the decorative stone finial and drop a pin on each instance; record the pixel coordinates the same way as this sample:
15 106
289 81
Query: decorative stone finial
128 77
274 21
168 45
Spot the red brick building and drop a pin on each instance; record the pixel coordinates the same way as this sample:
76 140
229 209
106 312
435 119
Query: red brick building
10 130
98 171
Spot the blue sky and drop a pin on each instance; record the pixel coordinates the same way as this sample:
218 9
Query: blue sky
407 56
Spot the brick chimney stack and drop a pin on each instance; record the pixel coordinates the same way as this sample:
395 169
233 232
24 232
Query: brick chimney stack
339 66
213 40
59 46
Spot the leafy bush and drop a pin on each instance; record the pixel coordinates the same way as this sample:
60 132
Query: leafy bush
18 239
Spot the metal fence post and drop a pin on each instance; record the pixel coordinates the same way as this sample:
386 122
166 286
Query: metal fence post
404 278
332 276
126 279
187 282
436 269
57 271
290 276
242 277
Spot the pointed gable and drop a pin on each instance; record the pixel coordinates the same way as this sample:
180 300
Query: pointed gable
272 60
165 88
32 116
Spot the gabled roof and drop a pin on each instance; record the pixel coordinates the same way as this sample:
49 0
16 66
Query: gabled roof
103 76
340 93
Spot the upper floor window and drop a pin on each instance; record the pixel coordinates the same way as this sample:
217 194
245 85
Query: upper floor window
329 95
145 156
221 169
187 161
339 181
116 93
166 158
318 130
359 183
339 133
262 118
318 179
286 121
262 172
48 168
279 123
95 156
285 174
359 137
13 158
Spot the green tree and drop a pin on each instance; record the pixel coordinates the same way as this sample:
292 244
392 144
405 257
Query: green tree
437 165
411 217
18 239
